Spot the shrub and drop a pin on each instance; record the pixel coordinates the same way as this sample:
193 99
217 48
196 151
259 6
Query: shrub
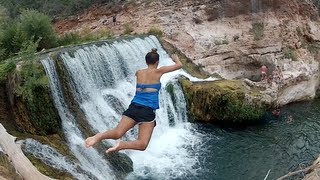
257 30
37 25
313 48
105 33
11 39
5 69
69 38
3 16
127 28
289 53
33 89
52 7
155 31
31 74
30 26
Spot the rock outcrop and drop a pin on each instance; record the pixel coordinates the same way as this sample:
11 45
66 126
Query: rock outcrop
231 39
222 101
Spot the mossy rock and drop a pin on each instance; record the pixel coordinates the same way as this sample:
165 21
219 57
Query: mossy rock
31 101
55 141
49 171
221 101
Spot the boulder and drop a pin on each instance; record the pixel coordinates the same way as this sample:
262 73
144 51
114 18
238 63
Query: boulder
221 101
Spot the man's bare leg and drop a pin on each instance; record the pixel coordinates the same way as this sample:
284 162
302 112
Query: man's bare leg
145 132
124 125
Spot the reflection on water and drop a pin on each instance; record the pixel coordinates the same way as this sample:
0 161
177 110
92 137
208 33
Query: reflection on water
279 145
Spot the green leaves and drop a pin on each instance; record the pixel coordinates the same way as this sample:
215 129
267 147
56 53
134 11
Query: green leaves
37 25
29 26
5 69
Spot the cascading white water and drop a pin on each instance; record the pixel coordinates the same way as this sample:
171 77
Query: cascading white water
89 159
103 83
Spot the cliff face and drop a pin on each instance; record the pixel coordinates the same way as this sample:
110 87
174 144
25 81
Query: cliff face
228 39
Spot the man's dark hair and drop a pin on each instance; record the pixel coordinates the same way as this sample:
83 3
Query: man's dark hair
152 57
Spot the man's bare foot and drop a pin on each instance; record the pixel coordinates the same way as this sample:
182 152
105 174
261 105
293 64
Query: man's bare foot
90 141
114 148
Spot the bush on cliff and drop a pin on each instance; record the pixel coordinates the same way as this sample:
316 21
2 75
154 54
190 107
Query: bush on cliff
220 101
29 26
37 26
258 30
52 7
11 40
32 89
6 68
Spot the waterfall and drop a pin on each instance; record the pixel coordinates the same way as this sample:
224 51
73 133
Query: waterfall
103 84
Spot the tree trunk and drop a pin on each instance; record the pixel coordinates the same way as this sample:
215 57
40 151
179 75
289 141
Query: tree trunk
21 163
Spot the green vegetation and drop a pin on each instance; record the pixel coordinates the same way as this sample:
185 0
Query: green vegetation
48 170
127 28
20 38
34 26
317 4
76 38
3 16
155 31
5 69
52 7
29 26
32 88
289 53
70 38
170 90
37 26
257 30
314 48
31 73
220 101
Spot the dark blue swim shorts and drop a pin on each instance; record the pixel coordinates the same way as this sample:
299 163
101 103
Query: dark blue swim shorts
140 113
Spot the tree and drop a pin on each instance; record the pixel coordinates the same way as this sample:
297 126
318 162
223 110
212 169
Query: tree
3 16
37 26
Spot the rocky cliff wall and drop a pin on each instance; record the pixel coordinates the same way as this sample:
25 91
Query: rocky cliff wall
229 39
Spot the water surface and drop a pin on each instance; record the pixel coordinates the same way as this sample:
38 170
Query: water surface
248 153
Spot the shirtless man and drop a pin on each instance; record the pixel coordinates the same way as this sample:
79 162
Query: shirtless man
264 70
